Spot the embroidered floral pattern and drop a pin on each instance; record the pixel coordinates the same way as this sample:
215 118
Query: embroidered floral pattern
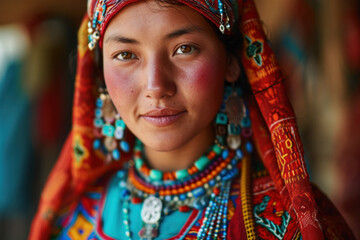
254 50
277 230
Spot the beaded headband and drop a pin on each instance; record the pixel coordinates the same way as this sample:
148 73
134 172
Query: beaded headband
223 13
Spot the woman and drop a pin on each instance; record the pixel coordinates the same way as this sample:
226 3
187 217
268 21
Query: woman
162 138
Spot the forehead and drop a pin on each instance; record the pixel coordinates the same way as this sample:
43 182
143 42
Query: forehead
152 17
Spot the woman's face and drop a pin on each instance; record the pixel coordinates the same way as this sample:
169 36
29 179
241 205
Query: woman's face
164 68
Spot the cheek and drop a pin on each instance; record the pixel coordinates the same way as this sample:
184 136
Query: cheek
207 80
119 86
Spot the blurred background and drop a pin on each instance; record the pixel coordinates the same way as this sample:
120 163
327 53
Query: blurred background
317 43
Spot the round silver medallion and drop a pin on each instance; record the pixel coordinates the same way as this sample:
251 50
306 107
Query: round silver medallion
151 210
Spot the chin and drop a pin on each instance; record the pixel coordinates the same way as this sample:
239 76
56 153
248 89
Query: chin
164 143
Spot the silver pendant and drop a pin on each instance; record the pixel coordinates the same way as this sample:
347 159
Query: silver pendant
150 215
151 210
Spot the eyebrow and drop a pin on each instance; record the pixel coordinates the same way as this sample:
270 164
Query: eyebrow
175 34
185 30
120 39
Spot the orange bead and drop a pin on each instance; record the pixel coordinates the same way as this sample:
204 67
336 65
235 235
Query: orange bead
181 190
166 176
143 169
198 184
172 177
211 155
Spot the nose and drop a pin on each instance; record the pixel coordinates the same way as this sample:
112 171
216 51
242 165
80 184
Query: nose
159 79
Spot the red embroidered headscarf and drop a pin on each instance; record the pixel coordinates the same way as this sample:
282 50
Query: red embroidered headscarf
278 141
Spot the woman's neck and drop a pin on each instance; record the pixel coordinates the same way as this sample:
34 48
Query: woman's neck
182 157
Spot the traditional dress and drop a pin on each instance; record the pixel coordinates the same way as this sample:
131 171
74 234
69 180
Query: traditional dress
244 193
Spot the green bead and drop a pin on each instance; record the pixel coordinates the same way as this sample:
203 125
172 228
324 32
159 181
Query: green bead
138 145
155 175
217 149
108 130
234 130
202 163
181 174
246 122
98 122
138 163
228 91
120 123
221 118
239 91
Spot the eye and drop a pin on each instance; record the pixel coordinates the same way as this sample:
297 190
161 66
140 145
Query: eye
185 49
125 56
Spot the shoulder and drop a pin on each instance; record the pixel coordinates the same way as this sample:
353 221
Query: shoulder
333 224
272 218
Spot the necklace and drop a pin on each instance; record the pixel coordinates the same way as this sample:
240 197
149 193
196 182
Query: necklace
206 188
153 175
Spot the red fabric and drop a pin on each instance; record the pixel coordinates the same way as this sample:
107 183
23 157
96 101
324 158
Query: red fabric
266 81
78 165
265 148
236 228
272 212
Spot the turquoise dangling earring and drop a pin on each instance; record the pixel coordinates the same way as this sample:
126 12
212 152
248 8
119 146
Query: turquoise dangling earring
236 111
109 128
232 121
221 121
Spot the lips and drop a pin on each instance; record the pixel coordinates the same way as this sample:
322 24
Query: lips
163 117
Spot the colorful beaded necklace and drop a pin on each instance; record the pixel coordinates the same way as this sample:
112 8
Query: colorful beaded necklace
206 184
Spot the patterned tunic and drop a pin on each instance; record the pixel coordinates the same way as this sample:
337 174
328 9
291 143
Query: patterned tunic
83 220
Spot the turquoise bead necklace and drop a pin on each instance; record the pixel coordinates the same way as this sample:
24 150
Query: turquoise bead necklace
162 197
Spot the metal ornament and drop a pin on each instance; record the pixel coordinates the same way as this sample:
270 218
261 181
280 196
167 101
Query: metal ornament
235 109
150 215
233 141
151 210
148 232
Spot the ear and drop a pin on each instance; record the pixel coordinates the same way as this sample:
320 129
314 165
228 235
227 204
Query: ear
233 69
